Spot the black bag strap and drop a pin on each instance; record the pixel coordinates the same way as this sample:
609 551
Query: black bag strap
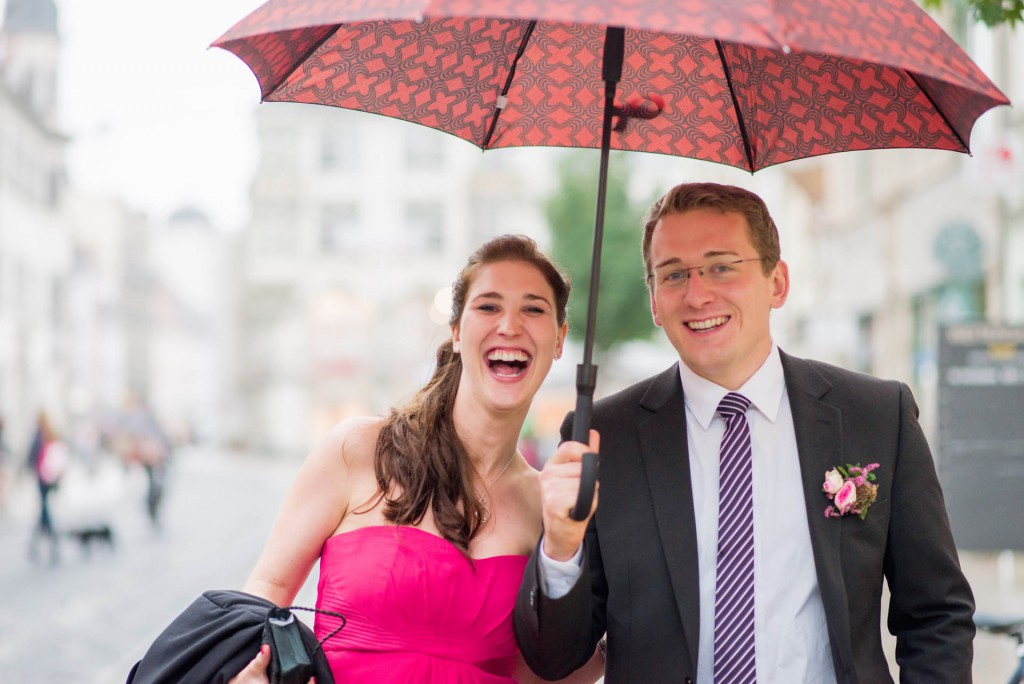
320 643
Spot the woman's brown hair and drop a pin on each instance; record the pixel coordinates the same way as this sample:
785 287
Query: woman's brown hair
419 457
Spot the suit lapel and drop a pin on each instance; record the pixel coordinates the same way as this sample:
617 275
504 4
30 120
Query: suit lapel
819 435
665 457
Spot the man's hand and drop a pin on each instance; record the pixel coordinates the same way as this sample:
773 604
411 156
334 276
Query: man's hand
559 487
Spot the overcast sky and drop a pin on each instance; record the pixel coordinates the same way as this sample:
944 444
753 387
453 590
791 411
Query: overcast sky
155 117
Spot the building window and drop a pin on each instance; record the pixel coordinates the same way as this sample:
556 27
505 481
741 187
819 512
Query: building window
273 232
492 216
865 343
54 186
339 228
277 155
424 149
339 148
424 223
57 299
950 302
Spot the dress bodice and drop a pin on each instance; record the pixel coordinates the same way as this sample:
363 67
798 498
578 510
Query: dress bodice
417 609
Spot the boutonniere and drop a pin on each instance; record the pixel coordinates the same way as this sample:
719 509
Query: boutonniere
850 490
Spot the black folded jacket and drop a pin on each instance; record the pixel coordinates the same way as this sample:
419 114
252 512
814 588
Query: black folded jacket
213 640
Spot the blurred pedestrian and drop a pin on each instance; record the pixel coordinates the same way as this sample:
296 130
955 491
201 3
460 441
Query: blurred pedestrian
140 440
5 457
48 460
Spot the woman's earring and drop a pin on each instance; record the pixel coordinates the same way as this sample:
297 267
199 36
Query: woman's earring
455 347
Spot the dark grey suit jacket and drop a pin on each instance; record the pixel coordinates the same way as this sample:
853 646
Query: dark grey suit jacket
640 573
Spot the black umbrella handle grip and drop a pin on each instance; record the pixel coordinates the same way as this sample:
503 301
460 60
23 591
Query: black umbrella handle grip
581 433
588 485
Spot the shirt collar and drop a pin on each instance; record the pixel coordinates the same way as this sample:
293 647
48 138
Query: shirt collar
764 389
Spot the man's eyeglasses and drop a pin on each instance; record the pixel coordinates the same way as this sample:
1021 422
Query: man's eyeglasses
714 272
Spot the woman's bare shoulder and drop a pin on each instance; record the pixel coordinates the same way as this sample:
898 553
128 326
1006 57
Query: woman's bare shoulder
352 441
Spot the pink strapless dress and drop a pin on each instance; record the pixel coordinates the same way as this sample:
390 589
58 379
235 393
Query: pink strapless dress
417 610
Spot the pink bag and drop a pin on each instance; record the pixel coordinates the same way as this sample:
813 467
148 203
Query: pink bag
53 462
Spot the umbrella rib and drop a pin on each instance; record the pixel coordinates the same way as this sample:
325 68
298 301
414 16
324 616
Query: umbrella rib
736 106
500 105
307 55
938 109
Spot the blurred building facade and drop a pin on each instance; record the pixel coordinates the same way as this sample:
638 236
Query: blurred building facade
96 300
36 246
901 242
187 274
359 222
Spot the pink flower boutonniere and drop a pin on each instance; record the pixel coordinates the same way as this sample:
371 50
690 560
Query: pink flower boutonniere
850 490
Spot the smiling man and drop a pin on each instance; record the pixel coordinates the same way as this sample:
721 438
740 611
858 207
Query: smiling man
751 502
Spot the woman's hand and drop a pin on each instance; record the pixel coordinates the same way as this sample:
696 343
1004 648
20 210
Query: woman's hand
256 671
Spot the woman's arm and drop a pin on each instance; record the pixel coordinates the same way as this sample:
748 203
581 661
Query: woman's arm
313 508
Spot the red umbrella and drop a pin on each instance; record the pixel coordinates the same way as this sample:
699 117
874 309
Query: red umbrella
744 83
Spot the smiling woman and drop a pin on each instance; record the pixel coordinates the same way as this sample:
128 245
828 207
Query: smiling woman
423 520
508 303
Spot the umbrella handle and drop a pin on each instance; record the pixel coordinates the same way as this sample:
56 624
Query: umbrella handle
588 485
585 382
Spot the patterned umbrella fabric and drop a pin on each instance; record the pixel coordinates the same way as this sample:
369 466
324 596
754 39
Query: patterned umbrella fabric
748 84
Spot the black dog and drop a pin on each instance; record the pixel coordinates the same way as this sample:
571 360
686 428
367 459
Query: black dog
96 534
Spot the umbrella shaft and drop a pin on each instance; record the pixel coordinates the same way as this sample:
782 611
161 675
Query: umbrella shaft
586 372
614 48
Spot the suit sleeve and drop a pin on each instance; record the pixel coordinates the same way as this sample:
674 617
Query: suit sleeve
558 636
931 606
553 634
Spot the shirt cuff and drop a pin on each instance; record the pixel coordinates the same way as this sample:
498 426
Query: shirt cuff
559 577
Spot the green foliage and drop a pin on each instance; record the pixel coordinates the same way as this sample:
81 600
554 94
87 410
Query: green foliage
988 12
623 308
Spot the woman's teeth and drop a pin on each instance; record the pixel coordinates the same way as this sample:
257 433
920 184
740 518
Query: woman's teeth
508 363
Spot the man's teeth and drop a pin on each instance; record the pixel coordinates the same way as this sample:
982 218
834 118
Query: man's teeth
508 355
707 324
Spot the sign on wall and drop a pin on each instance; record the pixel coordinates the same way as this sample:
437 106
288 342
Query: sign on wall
980 454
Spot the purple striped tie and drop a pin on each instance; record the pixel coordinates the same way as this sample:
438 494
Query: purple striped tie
734 584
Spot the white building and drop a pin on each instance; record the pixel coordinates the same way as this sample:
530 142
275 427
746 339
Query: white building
36 250
358 222
188 282
96 300
904 241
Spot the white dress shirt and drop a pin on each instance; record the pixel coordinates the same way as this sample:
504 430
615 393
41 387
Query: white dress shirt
791 636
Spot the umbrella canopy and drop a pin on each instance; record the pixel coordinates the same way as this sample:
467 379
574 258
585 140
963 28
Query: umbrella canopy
748 84
740 82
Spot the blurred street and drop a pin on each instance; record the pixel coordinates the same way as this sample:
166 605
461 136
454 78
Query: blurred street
87 619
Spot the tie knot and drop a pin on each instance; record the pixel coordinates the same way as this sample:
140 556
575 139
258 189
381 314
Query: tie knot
733 404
